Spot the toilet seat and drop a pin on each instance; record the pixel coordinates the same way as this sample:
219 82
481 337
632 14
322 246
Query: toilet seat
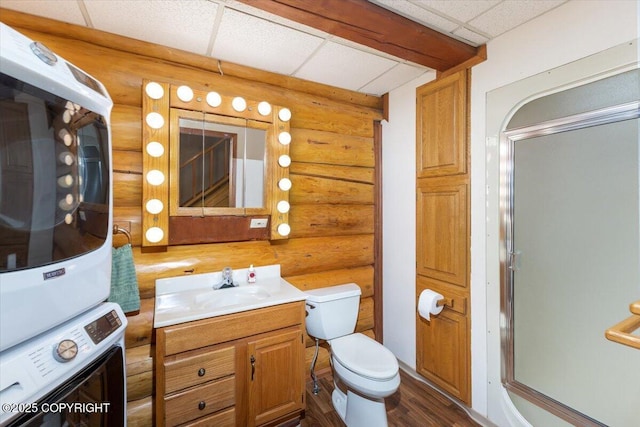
365 357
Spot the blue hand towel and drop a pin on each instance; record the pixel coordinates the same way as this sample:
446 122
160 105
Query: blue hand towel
124 283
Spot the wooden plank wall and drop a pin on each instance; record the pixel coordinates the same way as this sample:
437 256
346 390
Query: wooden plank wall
333 175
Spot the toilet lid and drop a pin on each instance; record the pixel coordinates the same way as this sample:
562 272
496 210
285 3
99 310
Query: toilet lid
364 356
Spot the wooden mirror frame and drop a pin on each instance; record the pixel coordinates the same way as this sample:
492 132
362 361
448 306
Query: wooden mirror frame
159 226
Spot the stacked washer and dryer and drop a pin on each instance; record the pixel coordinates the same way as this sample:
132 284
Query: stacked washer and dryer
61 346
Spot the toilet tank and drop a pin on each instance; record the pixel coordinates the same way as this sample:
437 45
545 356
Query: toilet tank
332 312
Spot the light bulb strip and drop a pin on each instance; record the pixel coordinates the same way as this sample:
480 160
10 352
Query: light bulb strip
156 221
252 110
282 184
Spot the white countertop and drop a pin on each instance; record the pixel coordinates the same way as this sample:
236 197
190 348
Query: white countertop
192 297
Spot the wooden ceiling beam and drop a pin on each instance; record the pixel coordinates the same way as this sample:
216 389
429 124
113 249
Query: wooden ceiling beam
368 24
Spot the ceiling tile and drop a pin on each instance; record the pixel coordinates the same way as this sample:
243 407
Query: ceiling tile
185 25
393 78
471 36
417 13
343 66
461 10
511 13
61 10
248 40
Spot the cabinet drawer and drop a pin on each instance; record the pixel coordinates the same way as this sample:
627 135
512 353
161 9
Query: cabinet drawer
198 367
200 401
226 418
216 330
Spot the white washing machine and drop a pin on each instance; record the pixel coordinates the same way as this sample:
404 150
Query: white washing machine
71 375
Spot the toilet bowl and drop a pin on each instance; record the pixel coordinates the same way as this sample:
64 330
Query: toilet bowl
365 365
364 371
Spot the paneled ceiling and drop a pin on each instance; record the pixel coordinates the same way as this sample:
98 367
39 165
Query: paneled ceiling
243 33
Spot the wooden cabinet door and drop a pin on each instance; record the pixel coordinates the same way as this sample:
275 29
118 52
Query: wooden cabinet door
442 127
442 355
442 225
275 364
443 232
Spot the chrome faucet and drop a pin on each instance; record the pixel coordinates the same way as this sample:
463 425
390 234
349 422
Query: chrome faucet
227 279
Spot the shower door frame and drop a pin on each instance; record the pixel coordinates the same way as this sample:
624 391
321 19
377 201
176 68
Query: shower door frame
509 257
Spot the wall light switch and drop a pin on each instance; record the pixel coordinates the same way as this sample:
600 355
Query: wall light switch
259 223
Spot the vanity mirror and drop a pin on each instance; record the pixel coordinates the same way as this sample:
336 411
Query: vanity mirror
215 167
217 164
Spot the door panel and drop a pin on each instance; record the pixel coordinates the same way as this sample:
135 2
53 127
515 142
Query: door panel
441 352
442 227
441 127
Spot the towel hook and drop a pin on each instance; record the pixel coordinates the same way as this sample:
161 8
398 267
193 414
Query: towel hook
119 230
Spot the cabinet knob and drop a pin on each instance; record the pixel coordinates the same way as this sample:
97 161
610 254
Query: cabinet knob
201 372
202 404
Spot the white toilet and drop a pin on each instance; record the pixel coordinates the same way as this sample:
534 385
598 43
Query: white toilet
366 369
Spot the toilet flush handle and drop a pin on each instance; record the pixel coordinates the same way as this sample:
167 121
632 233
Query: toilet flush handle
311 306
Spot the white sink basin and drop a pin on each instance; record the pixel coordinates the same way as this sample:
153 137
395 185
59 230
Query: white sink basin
230 296
192 297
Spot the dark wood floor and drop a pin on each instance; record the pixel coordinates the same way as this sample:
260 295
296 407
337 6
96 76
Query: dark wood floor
415 404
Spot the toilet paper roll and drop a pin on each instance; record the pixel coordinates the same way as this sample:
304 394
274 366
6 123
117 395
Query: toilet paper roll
428 303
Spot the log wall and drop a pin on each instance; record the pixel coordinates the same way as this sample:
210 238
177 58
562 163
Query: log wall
333 199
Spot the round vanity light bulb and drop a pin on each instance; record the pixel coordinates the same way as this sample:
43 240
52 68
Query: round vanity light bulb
155 149
284 184
66 158
185 94
284 114
68 219
66 204
214 99
155 120
155 177
154 90
154 234
264 108
65 136
284 161
65 181
66 116
284 138
283 206
239 104
284 229
154 206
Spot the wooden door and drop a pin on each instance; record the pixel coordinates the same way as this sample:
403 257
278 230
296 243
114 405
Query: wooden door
443 344
275 375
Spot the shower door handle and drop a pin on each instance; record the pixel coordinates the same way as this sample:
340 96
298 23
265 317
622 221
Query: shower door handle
515 260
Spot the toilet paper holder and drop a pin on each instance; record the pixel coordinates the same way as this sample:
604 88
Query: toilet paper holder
448 302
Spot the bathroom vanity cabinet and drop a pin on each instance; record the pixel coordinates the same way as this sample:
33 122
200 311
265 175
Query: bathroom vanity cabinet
241 369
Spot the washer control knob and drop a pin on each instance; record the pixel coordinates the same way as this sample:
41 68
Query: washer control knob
44 53
65 351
